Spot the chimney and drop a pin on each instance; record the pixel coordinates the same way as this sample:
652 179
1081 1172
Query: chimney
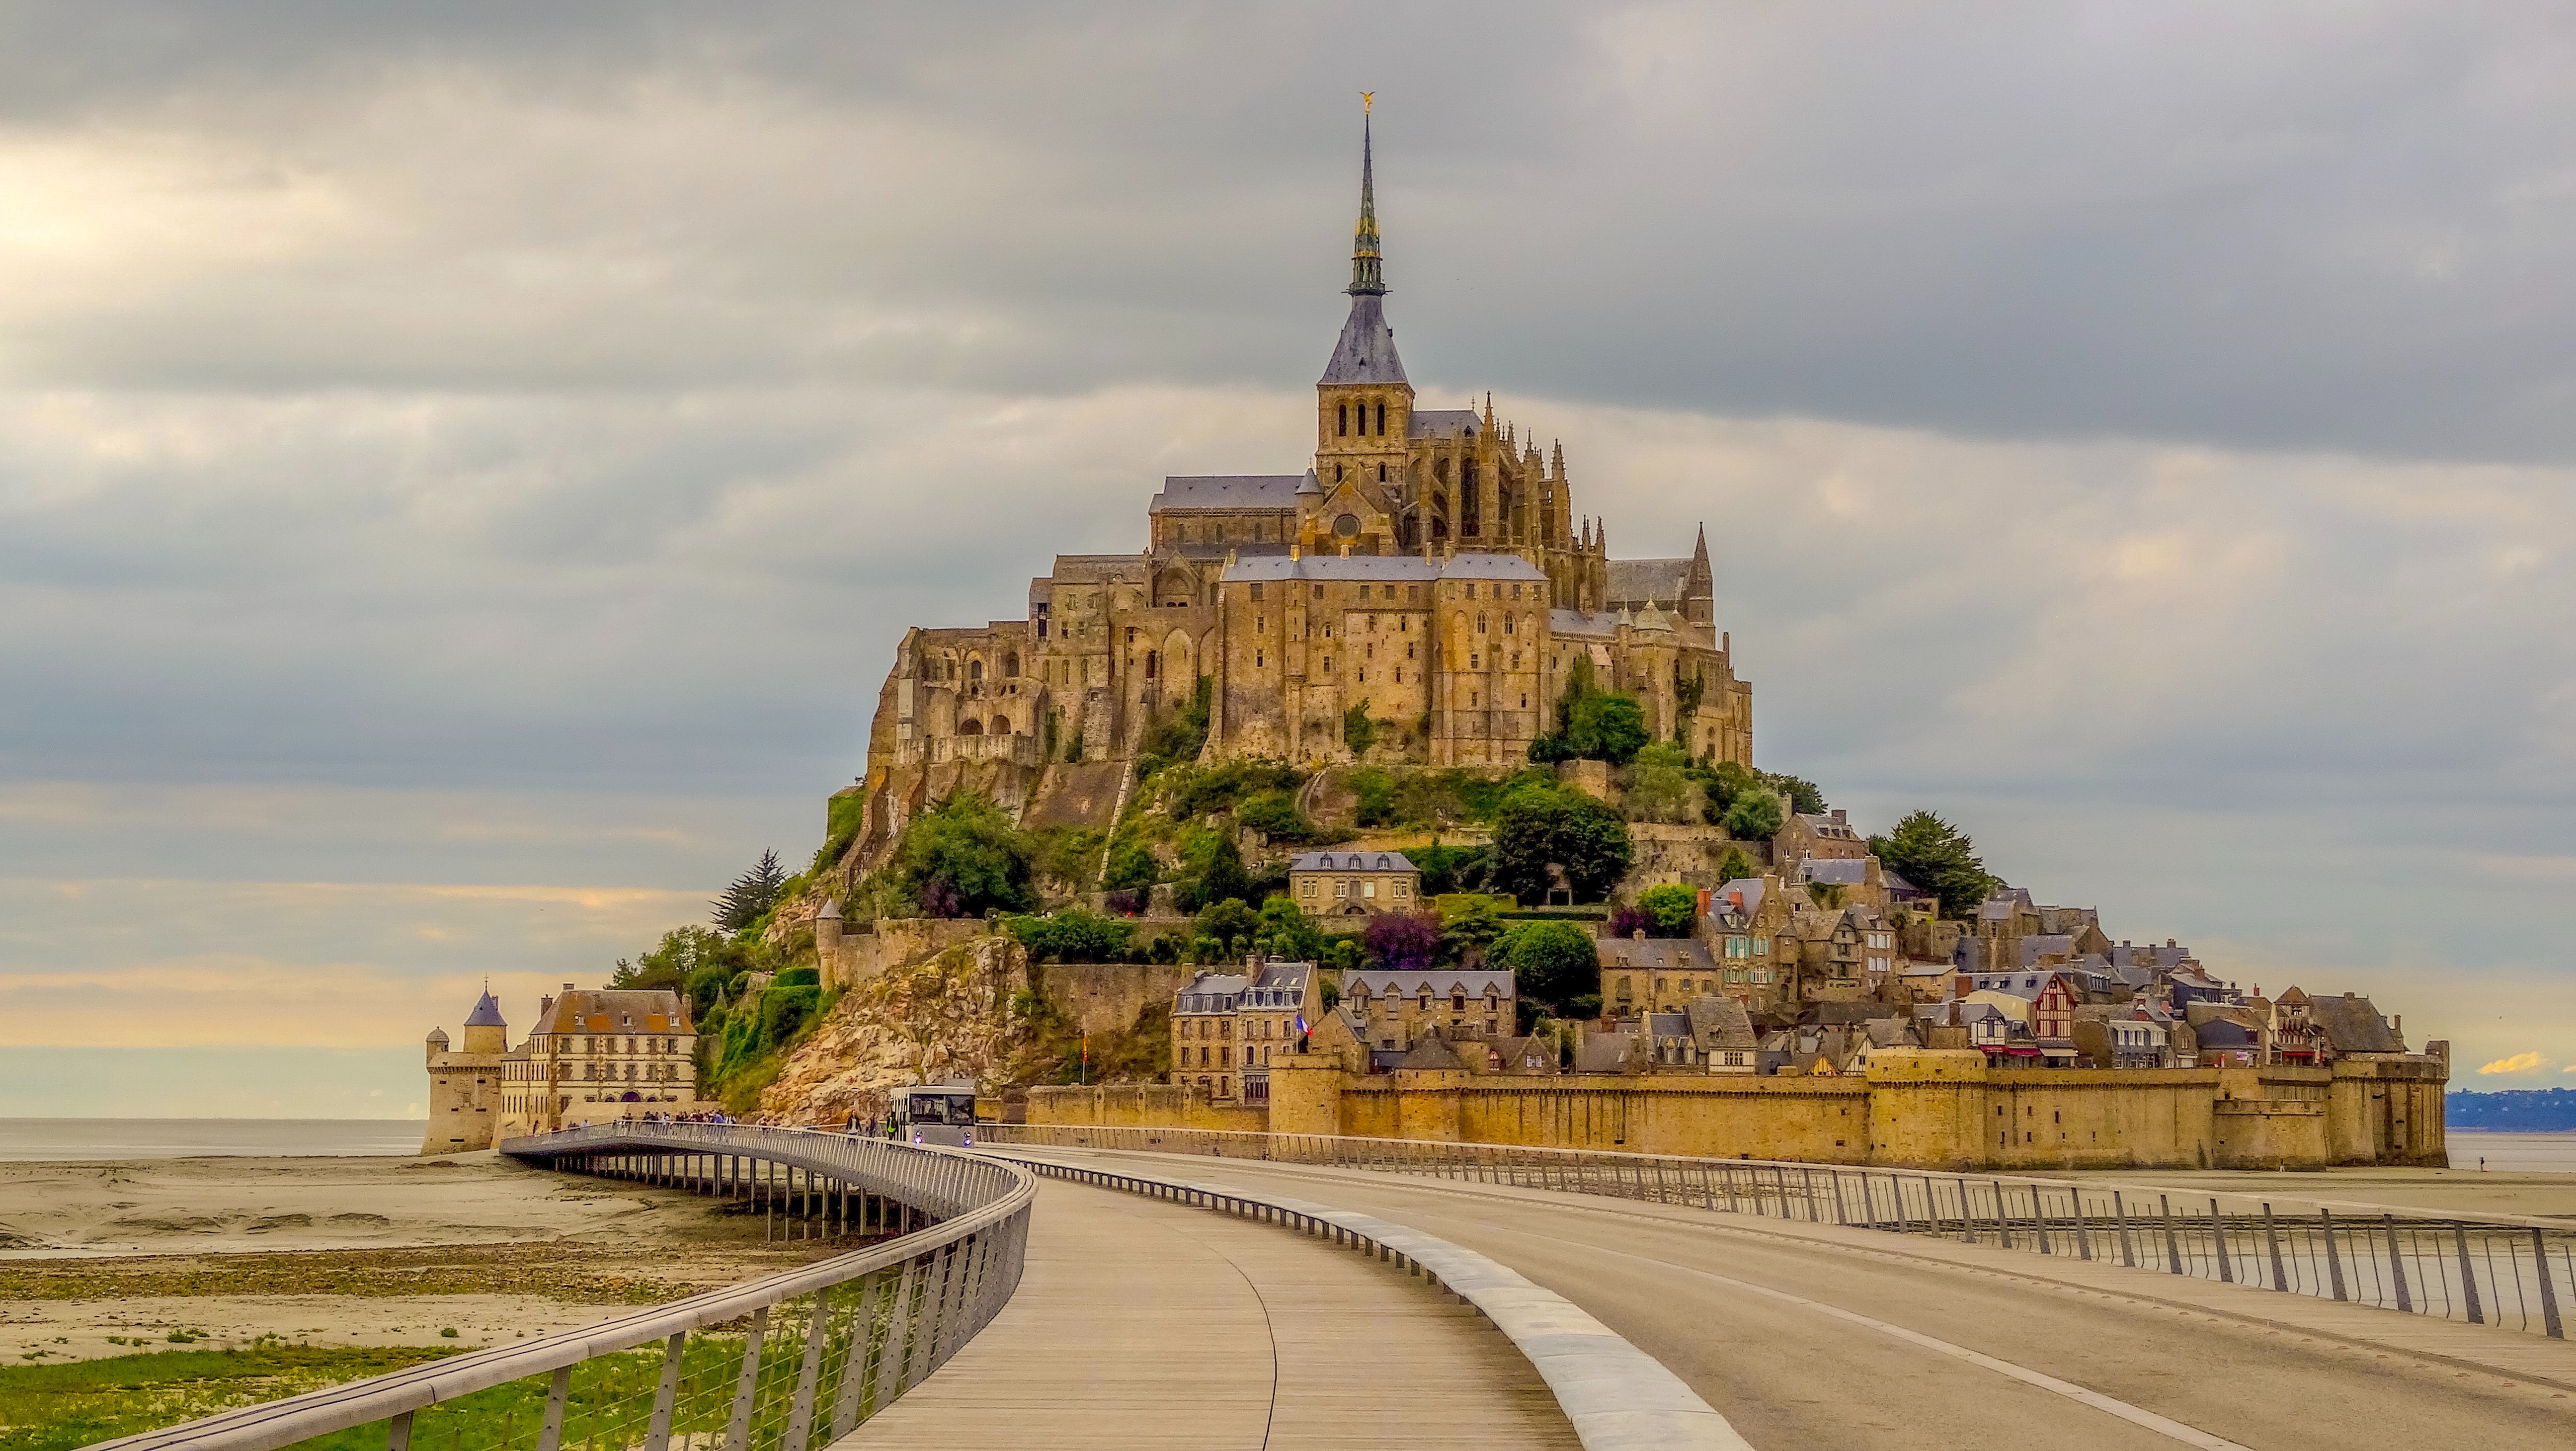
1639 934
1703 901
1839 819
567 987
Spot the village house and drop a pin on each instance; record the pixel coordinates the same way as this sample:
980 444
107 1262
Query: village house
1391 1011
1642 974
1227 1026
1354 883
1743 926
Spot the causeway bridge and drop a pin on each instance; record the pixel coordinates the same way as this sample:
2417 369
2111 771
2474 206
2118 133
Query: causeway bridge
1075 1288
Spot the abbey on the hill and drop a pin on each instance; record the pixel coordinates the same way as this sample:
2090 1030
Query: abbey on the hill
1427 572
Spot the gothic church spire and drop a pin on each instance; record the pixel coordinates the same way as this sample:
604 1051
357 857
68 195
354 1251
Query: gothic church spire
1366 273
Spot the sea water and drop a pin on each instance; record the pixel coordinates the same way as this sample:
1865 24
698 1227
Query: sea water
2512 1153
183 1138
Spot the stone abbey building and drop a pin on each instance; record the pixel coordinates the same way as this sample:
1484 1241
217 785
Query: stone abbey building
1427 565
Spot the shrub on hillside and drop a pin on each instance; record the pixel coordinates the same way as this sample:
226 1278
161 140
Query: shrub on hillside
963 857
1401 941
1551 962
785 1010
1660 787
1542 826
1757 815
1073 936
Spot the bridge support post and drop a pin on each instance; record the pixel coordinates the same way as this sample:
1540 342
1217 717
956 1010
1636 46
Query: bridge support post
747 1387
558 1396
666 1394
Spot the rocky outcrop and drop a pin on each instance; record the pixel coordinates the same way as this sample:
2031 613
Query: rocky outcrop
948 1017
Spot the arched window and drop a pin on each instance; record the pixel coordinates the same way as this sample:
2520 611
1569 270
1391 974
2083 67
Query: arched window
970 727
1381 427
1011 663
1153 661
974 670
1342 419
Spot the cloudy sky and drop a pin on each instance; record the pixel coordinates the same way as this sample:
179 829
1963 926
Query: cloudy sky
463 468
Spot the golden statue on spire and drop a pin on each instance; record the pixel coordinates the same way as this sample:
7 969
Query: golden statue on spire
1368 102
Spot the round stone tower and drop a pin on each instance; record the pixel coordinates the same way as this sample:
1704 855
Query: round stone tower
484 1030
465 1086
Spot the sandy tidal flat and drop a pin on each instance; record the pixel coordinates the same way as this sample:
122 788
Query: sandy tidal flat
115 1258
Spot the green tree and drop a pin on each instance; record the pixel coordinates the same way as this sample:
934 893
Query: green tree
1672 906
1735 866
751 894
1467 928
1660 787
1540 827
1804 796
1756 815
1724 782
1288 933
1358 731
963 857
1938 857
1131 866
1592 724
1225 880
1551 962
1227 921
1179 738
1073 936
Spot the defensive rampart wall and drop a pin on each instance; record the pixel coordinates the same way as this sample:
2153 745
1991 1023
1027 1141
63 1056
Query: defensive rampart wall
1924 1110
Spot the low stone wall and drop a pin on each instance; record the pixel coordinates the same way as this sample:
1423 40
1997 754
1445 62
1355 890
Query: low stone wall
1933 1109
1108 997
1141 1105
852 955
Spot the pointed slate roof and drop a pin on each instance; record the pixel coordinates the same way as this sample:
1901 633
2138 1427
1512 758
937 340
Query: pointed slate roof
1365 352
487 1012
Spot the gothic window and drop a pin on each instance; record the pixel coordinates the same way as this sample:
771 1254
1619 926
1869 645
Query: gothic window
1011 663
1480 624
1152 660
1342 422
1381 432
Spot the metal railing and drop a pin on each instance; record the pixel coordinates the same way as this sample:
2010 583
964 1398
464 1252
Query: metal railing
2498 1270
782 1363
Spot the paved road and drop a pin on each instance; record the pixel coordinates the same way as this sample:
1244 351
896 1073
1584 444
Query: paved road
1818 1339
1146 1324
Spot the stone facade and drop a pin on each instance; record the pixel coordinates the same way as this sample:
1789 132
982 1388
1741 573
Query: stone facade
600 1054
1228 1027
1354 883
466 1086
1425 568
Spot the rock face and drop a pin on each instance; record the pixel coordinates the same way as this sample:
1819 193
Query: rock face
948 1017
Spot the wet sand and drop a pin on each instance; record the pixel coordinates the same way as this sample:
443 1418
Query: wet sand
111 1258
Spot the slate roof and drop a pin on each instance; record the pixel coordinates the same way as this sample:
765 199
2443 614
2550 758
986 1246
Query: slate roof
1443 423
1655 954
1365 352
1436 1053
1524 1055
487 1012
1437 981
615 1010
2354 1025
1095 568
1636 581
1720 1023
1491 566
1325 567
1836 872
1750 887
1223 992
1185 493
1349 861
1600 624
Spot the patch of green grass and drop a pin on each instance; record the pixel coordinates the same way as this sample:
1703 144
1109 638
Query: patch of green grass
58 1407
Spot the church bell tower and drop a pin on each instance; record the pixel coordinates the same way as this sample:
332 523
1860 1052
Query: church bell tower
1363 404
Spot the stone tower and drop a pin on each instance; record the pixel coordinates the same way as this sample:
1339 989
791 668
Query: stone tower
1363 404
465 1086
